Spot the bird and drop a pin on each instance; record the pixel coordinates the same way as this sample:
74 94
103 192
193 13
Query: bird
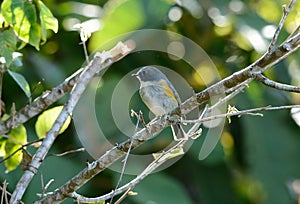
160 96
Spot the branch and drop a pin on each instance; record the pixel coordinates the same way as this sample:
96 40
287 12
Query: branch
265 62
242 112
286 11
67 152
165 156
276 85
162 158
39 104
20 148
99 62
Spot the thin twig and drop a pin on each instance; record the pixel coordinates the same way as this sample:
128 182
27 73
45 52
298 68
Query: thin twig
227 98
39 104
3 189
5 193
162 158
44 187
149 169
277 85
126 157
67 152
241 112
20 148
85 52
123 196
286 11
42 183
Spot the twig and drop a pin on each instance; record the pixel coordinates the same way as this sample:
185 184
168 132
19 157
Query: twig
286 11
248 73
123 196
20 148
126 157
67 152
33 90
44 187
162 158
4 193
227 98
42 183
39 104
85 52
139 116
240 113
99 62
149 169
277 85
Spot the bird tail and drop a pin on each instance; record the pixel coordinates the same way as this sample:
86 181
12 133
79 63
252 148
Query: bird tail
178 132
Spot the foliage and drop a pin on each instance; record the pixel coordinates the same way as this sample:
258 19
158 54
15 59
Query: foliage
47 119
29 19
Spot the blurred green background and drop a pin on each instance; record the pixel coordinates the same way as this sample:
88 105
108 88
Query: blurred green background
255 158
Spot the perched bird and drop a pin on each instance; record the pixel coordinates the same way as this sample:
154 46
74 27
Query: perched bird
159 95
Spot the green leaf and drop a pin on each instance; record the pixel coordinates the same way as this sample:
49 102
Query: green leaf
8 43
34 35
28 26
14 161
21 81
6 10
18 135
47 20
47 119
16 138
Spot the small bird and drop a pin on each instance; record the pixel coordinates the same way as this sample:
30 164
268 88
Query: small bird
159 95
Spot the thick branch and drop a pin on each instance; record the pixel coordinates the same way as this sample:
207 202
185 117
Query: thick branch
248 73
39 104
99 62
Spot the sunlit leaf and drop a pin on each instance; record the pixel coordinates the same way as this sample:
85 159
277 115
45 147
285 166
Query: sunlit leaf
16 138
21 81
18 135
13 161
22 16
47 119
47 20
